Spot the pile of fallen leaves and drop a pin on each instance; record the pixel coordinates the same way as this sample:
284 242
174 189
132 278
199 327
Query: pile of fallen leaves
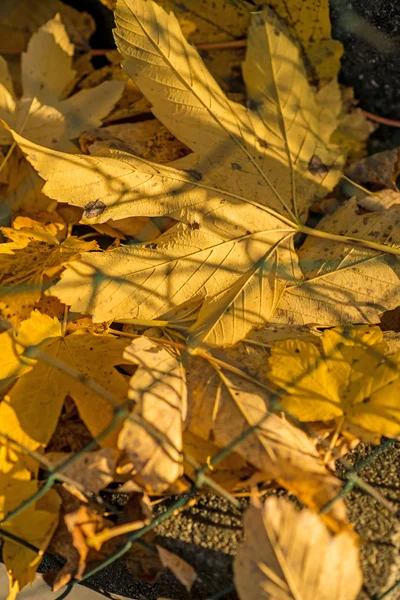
185 286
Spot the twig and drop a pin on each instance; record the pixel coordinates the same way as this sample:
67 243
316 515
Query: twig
381 120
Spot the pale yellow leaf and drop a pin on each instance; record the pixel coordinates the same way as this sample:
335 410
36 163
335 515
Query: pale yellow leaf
345 283
152 439
46 66
204 259
291 555
43 113
263 166
186 98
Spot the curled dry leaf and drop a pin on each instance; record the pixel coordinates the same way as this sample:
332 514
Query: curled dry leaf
152 438
380 170
179 567
79 520
290 554
346 378
231 410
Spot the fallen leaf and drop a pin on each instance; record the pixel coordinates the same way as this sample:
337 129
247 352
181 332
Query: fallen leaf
37 330
22 188
232 472
46 386
345 283
347 379
79 520
43 112
380 170
240 198
226 409
310 24
290 554
179 567
19 19
92 470
33 253
35 524
248 240
148 139
152 439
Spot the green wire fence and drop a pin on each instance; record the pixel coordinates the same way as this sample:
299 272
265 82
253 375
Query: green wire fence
203 474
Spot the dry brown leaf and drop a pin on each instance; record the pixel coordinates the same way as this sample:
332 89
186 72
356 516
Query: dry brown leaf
380 170
79 520
20 18
232 472
223 408
152 439
148 139
92 470
291 555
179 567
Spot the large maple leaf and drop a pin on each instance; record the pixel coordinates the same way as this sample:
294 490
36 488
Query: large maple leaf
240 197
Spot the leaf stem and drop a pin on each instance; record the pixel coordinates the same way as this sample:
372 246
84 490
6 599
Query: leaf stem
336 237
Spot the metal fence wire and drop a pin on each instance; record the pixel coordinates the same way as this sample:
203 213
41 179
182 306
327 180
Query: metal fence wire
203 476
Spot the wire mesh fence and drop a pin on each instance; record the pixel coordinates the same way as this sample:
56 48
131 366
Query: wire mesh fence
203 473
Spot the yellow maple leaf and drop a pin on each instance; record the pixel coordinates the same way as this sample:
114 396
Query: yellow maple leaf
46 385
44 112
347 378
35 525
240 197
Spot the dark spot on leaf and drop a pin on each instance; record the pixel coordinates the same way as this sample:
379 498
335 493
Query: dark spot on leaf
254 105
236 167
182 7
297 351
262 143
316 166
195 174
366 400
94 209
194 225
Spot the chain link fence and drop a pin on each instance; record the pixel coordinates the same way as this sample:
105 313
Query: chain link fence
203 477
